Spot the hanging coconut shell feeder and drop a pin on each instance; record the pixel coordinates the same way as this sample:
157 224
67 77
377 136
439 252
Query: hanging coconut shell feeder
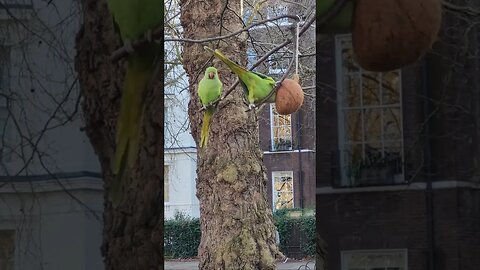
289 97
389 34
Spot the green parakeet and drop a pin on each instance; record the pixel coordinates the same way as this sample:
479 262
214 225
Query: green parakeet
209 90
257 86
132 20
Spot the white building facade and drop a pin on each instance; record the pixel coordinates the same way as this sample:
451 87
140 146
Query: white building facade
51 189
180 159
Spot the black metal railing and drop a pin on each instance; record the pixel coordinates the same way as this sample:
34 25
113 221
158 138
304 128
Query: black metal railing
282 145
371 170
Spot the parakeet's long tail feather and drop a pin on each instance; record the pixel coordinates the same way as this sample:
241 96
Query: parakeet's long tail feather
205 126
131 108
137 78
116 185
238 70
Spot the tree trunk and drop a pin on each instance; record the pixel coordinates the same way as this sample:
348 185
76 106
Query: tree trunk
236 221
321 253
132 231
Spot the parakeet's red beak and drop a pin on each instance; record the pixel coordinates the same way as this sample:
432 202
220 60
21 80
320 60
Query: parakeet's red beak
211 75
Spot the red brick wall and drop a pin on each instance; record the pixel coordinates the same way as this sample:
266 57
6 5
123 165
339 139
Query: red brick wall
289 161
397 219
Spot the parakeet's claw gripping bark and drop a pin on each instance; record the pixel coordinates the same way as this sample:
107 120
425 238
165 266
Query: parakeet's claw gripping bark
251 107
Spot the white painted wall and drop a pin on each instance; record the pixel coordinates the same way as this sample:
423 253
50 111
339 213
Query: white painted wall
180 148
182 198
53 220
53 231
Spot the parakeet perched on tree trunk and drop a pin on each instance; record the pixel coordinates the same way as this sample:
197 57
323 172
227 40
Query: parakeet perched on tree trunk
209 90
257 86
132 20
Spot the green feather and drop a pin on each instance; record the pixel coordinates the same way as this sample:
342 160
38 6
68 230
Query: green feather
132 19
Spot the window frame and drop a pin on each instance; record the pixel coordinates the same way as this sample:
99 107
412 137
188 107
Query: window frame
345 180
272 127
168 101
274 192
169 178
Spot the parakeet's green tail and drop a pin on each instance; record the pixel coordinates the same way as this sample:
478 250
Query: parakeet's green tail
238 70
205 126
116 185
138 75
131 108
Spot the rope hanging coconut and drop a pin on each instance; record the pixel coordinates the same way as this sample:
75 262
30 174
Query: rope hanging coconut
290 94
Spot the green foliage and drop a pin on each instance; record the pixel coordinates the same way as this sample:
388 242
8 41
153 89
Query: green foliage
182 236
300 222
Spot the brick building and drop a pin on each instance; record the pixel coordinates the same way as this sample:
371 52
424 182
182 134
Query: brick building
287 142
398 182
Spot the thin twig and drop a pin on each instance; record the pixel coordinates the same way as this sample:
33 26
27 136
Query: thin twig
293 17
158 35
264 57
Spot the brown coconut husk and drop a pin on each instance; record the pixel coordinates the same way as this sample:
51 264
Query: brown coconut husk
389 34
289 97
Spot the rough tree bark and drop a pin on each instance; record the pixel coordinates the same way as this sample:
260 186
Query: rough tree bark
236 221
132 231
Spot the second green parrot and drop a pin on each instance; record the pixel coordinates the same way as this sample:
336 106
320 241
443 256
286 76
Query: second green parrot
133 19
257 86
209 90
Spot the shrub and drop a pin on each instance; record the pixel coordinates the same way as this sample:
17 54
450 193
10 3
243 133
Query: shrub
182 236
296 222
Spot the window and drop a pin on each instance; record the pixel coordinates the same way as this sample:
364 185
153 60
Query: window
7 249
281 130
166 109
370 121
282 189
167 123
166 183
374 260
